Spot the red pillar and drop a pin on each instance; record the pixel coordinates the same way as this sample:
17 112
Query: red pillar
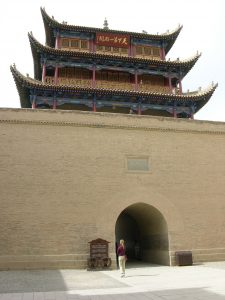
93 46
170 83
136 80
133 50
57 41
174 111
191 113
94 76
94 106
139 109
34 102
56 75
163 55
180 87
130 49
54 104
43 72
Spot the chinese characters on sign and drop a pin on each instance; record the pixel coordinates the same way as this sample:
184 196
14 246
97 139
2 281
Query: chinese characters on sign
113 40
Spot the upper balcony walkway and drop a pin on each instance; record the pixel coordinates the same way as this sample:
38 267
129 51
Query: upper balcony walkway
112 85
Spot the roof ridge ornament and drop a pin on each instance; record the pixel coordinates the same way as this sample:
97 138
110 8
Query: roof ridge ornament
105 24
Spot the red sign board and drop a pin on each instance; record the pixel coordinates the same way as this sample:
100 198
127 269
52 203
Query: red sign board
113 40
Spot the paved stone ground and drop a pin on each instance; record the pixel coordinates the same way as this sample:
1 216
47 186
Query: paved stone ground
198 282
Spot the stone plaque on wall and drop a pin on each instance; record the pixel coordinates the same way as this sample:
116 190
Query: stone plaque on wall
99 248
99 254
137 164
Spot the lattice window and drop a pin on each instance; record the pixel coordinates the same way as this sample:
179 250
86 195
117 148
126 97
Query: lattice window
124 77
107 49
147 51
70 72
74 43
115 76
85 74
62 72
98 75
157 80
123 50
65 43
99 48
110 76
139 50
77 73
104 76
84 44
155 51
116 49
146 78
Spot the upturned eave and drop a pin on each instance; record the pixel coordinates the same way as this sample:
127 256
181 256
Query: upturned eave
184 66
51 24
200 98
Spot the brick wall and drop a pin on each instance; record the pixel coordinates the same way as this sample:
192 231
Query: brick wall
64 182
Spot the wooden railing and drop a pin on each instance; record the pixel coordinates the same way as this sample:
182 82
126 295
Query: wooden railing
75 49
49 80
69 81
111 53
155 88
148 56
74 81
115 85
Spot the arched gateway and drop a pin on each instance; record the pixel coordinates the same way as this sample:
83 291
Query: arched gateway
145 230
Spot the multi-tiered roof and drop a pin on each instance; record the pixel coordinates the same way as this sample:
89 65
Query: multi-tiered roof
97 69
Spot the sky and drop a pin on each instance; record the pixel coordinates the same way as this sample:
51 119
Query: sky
203 31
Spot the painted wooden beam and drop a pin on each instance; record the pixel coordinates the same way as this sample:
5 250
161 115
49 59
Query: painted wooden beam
95 103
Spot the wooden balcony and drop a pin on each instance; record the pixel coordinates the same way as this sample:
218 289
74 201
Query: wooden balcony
114 85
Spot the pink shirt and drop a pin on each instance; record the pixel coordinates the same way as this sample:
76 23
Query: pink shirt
121 251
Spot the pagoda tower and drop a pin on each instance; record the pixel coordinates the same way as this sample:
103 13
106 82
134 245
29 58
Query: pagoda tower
94 69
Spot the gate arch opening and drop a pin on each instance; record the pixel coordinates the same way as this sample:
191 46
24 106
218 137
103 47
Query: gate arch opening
145 231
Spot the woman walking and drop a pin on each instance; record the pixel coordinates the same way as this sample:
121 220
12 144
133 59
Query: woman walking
121 252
